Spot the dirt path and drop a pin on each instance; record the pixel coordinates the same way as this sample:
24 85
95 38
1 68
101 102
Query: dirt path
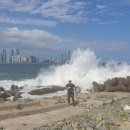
44 117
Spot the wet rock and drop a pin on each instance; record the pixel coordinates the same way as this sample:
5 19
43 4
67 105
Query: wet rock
14 87
98 87
113 85
46 90
1 89
4 95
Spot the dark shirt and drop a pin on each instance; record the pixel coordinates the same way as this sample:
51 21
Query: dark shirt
70 88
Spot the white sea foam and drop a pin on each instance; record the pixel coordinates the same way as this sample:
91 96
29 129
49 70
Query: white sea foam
82 69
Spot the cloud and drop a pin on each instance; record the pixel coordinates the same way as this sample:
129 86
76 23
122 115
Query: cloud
70 11
98 6
20 6
27 21
108 22
27 39
64 10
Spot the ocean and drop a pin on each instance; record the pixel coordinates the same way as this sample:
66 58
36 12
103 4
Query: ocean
83 69
21 71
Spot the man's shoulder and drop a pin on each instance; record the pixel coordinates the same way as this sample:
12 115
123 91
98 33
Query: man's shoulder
67 85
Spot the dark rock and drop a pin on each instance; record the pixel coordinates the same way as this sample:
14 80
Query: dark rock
14 87
4 95
46 90
110 85
112 82
113 85
128 82
122 84
2 89
21 87
98 87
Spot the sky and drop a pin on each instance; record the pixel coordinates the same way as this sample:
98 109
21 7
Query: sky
48 27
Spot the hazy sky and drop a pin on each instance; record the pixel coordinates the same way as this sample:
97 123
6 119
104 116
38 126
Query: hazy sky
46 27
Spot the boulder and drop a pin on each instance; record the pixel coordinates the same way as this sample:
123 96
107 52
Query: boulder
14 87
1 89
112 82
112 85
110 89
128 82
122 84
4 95
98 87
46 90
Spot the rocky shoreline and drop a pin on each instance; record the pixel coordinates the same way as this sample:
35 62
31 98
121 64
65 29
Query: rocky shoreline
108 116
16 94
94 111
105 108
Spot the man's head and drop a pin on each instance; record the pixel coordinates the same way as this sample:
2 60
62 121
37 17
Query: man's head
70 81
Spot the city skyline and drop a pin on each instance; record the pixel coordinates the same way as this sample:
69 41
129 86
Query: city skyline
16 56
45 27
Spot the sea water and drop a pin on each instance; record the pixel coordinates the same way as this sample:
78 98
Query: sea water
20 71
83 68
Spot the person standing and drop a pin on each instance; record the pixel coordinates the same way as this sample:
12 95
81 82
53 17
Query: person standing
70 91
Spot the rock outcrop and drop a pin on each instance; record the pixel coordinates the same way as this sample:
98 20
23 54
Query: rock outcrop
4 95
42 91
1 89
14 91
14 87
113 85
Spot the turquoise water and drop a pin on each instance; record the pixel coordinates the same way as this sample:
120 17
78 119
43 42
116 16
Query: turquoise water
21 71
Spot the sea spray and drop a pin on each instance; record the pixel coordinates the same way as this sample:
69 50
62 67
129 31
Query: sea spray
83 68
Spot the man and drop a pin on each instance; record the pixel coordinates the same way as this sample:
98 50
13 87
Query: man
70 91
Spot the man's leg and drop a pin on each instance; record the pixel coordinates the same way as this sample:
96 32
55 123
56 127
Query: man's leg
72 96
68 98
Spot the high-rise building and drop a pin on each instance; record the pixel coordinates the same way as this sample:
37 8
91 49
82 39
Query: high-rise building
11 56
33 59
17 52
69 55
0 58
65 57
4 56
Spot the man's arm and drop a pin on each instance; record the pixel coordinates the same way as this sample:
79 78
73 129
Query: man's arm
67 86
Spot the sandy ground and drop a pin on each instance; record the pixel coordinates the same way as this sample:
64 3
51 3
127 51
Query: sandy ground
23 115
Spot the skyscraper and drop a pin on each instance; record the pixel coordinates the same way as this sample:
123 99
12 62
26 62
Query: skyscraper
4 56
69 55
17 52
11 56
